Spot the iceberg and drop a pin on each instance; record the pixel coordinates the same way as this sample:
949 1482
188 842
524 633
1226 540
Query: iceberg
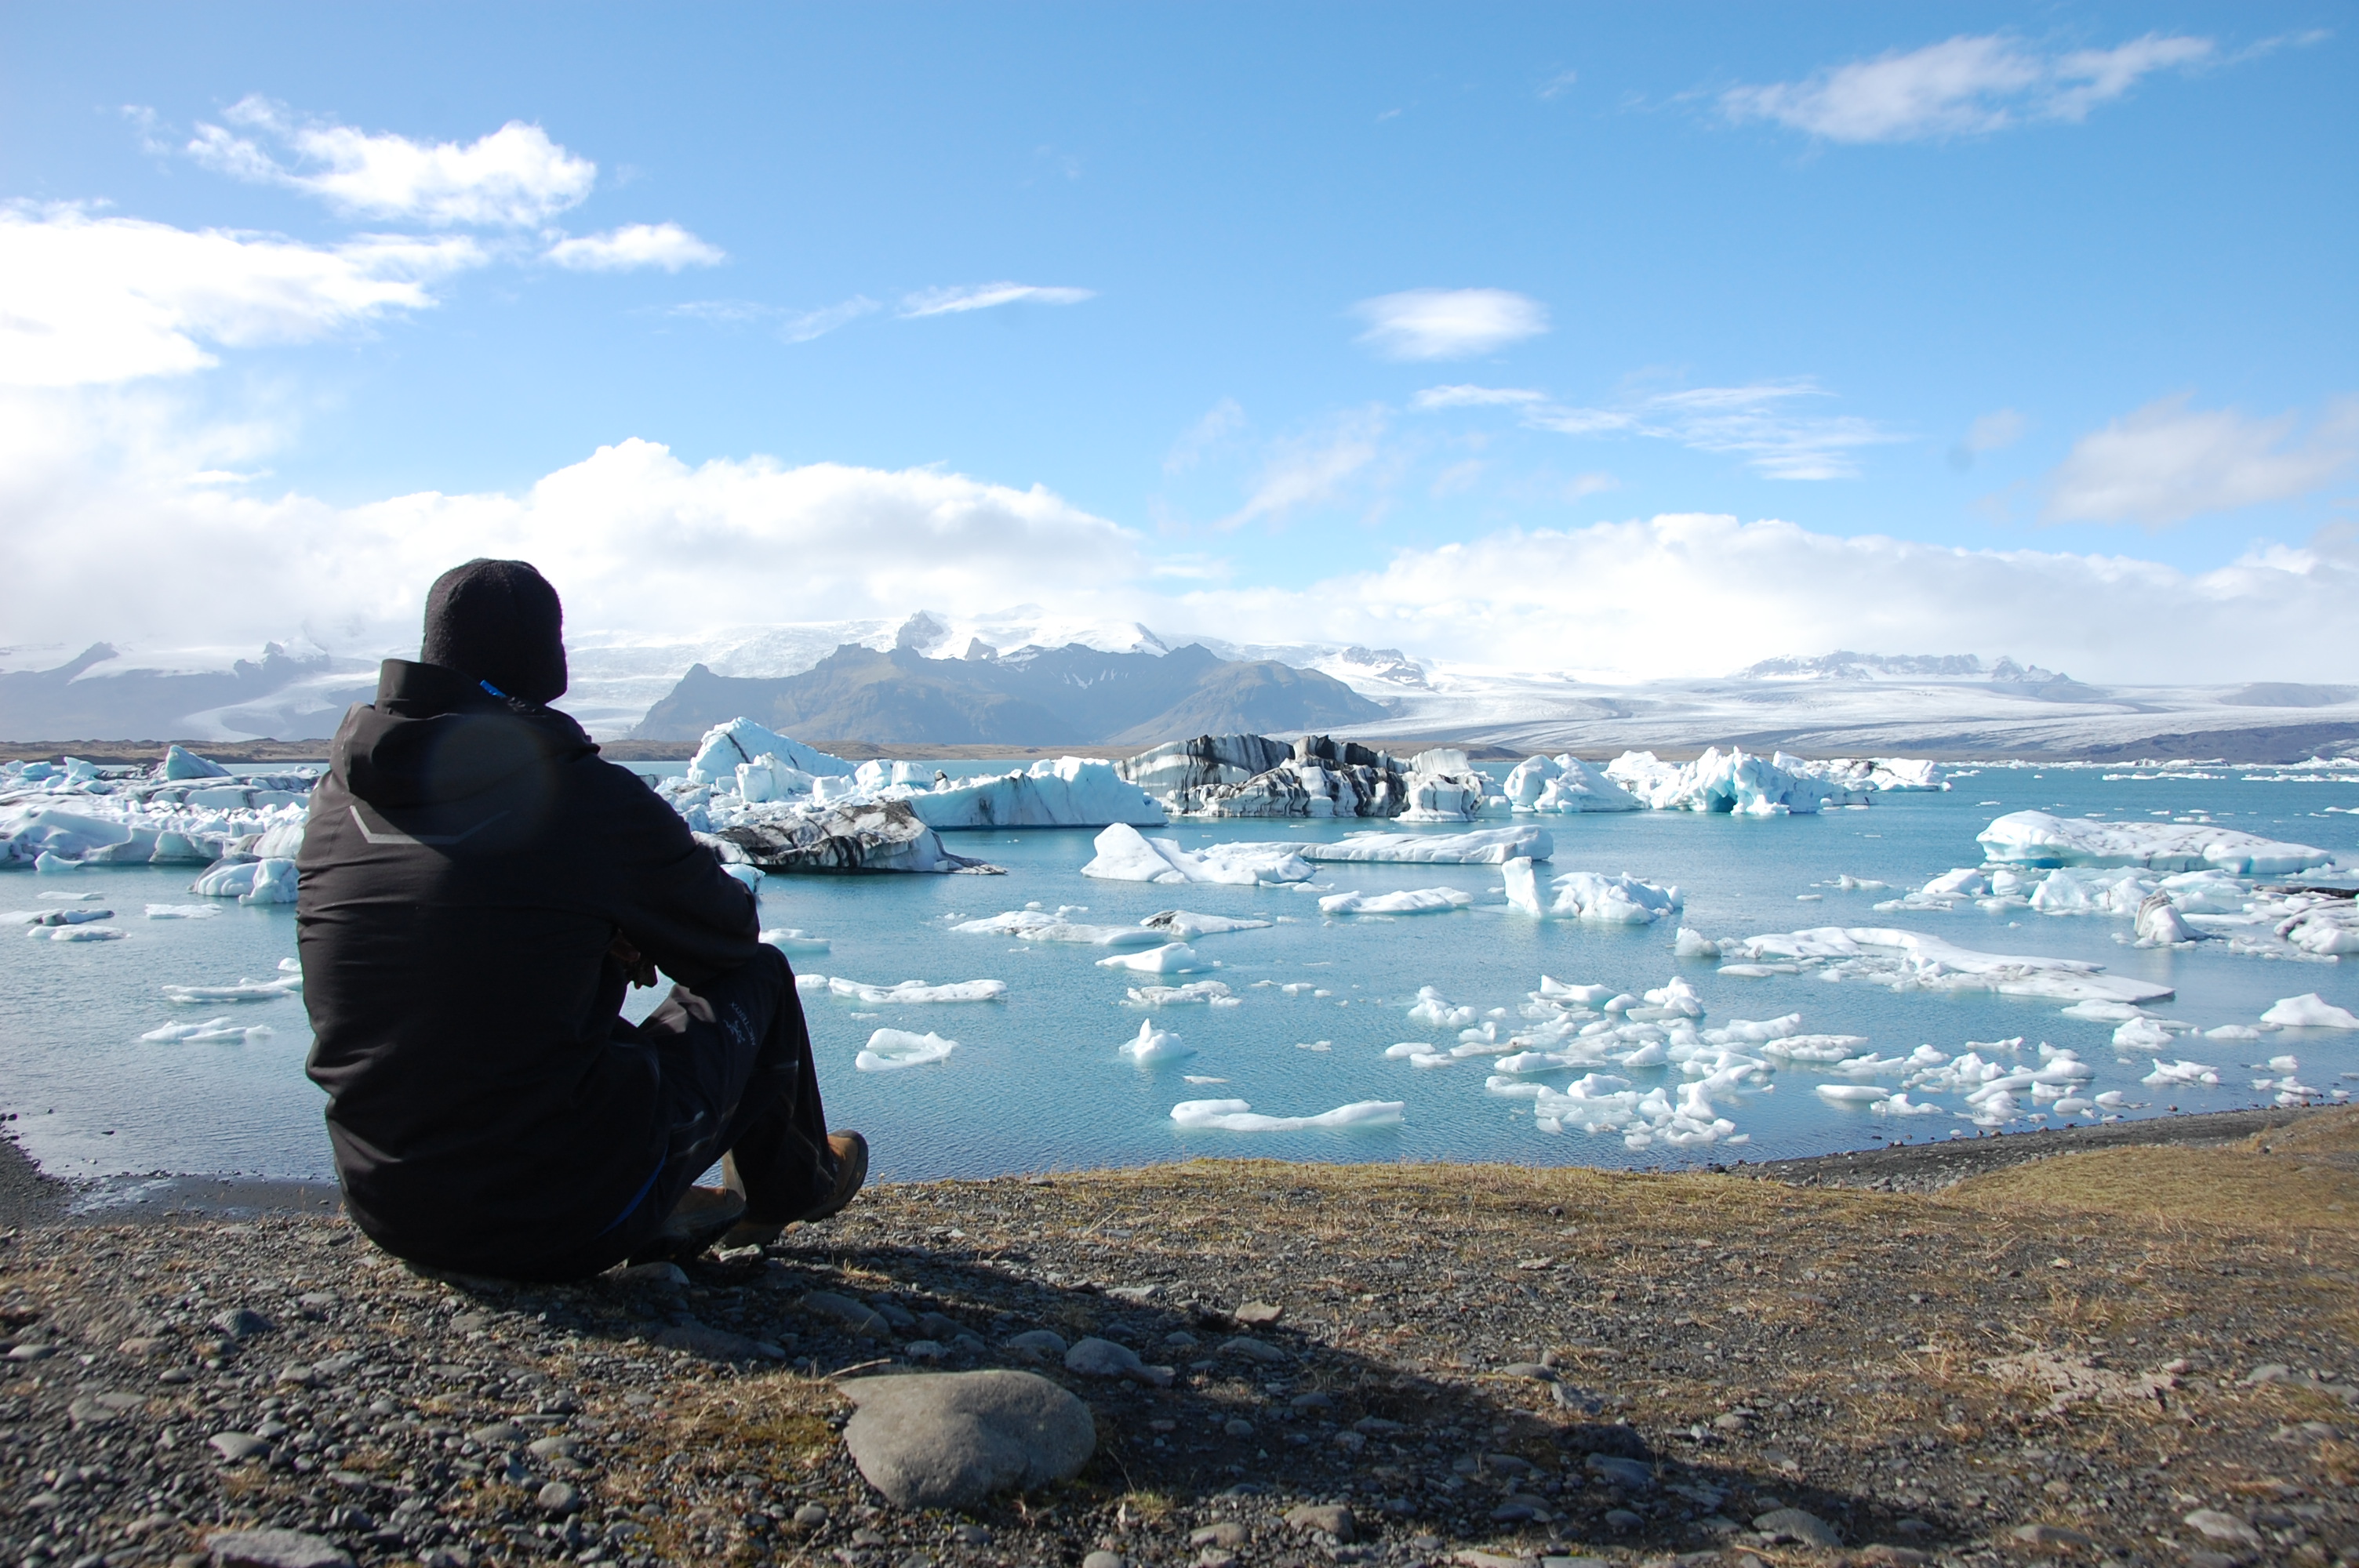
1442 786
1321 777
1064 792
1410 901
1906 960
916 991
181 763
1731 782
1123 854
1484 846
725 748
1188 767
1185 927
2037 838
2160 925
1621 900
1549 785
876 836
1171 958
2181 1072
244 990
182 911
249 881
889 1050
1238 1116
1153 1045
2309 1011
212 1031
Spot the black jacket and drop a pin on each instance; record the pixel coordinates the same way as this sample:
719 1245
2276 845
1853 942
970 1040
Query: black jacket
468 861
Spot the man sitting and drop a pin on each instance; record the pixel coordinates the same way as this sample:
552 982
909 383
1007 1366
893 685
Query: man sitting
478 891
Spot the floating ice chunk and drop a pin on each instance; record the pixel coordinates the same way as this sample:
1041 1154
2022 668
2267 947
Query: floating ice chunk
793 940
726 747
212 1031
1901 1105
1757 971
748 875
179 764
1751 1032
2141 1035
2232 1032
1033 925
2309 1011
1853 1094
1432 1007
1409 901
1180 925
1154 1044
1124 855
244 990
1733 781
1199 1078
1906 960
1586 895
1674 997
1817 1050
249 881
76 934
1410 1048
1238 1116
1484 846
182 911
2180 1072
1211 993
1869 1065
1062 791
1564 784
2036 838
812 983
1578 995
889 1050
918 992
1171 958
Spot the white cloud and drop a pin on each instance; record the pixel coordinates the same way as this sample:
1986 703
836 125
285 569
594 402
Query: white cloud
985 295
1474 398
634 246
1220 421
2168 462
514 177
1699 596
1760 423
1449 323
1311 469
86 299
115 533
793 326
1963 86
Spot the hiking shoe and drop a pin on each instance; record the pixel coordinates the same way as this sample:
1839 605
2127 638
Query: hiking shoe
695 1223
851 1170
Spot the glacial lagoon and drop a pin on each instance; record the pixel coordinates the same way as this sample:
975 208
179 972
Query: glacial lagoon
1037 1080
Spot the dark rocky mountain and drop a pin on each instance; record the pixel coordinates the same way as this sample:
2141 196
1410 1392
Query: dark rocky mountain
1047 697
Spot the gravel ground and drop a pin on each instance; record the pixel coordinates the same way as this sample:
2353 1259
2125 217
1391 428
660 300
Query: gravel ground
2141 1355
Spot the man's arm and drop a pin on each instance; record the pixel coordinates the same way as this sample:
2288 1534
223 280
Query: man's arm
675 906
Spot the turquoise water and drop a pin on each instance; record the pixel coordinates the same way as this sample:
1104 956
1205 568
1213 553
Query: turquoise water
1036 1082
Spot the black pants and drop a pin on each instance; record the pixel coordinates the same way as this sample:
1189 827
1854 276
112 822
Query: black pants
733 1062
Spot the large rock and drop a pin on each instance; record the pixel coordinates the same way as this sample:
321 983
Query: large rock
275 1549
948 1440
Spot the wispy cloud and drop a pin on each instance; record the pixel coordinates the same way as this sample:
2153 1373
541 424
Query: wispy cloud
1963 86
1560 84
1449 323
791 326
635 245
514 177
2168 462
986 295
1313 469
1765 424
1223 419
93 300
1992 432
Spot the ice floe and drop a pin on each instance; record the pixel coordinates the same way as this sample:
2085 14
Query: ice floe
913 991
76 934
859 836
182 911
1039 925
1483 847
212 1031
2180 1072
888 1050
1123 854
2037 838
2309 1011
1622 899
1908 960
1564 785
1153 1045
1210 993
247 990
1238 1116
793 940
1180 925
1171 958
1407 901
249 881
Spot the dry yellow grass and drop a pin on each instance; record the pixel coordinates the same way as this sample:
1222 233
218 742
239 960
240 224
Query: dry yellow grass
2301 1177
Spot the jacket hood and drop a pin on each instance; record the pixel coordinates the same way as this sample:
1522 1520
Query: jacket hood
434 736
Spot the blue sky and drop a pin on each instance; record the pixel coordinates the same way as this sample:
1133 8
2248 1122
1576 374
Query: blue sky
1294 291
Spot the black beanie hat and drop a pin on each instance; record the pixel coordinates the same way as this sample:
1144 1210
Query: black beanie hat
498 622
